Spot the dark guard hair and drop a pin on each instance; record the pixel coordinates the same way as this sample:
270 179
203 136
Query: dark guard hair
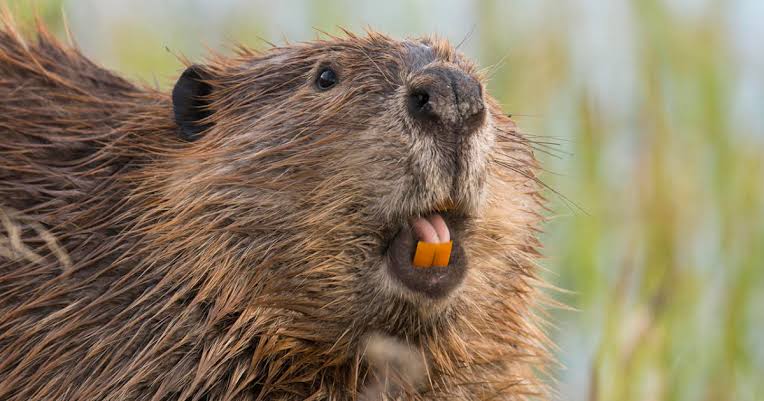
227 242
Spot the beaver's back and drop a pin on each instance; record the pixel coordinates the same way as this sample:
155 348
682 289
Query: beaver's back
70 134
60 117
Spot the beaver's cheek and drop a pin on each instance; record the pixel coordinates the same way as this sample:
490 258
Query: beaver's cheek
432 282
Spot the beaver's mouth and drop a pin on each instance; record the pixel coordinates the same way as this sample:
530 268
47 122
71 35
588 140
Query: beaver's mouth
439 279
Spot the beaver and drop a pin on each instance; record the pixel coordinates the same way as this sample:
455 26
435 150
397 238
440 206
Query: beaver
249 235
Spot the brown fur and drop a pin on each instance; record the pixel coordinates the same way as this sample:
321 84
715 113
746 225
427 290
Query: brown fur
247 265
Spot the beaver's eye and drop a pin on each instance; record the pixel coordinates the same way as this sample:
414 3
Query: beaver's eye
326 78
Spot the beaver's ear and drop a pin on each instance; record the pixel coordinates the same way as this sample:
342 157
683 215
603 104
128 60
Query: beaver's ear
191 101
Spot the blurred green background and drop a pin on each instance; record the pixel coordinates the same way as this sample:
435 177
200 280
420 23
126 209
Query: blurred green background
650 121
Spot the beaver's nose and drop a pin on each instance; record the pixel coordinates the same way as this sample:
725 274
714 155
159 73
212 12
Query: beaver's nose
447 96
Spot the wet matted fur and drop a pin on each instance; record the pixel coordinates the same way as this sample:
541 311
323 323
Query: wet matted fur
249 264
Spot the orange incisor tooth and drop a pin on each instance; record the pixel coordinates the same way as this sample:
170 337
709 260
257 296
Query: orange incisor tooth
429 254
424 255
442 254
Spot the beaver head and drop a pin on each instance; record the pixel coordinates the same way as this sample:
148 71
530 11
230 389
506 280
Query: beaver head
343 153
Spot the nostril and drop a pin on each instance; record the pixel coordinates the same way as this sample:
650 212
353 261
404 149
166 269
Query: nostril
419 105
420 99
444 97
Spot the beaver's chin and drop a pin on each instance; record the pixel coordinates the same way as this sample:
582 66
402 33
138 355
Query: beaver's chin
433 282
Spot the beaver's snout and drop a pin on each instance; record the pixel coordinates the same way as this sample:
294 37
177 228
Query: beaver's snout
445 95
